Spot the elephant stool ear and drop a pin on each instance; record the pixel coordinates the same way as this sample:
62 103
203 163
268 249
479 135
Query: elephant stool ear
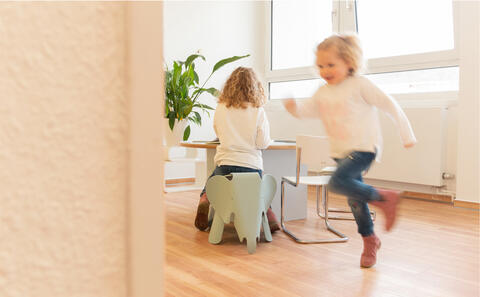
268 189
220 194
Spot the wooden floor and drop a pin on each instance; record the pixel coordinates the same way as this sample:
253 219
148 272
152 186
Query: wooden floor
432 251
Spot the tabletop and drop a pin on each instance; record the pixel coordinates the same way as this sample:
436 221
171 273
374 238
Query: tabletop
276 145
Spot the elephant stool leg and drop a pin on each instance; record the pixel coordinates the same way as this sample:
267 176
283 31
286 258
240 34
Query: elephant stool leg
251 245
216 231
266 228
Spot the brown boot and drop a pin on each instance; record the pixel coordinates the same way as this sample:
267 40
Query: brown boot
272 221
201 220
371 244
388 205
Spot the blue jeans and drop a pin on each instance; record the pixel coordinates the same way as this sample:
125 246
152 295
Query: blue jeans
227 169
347 180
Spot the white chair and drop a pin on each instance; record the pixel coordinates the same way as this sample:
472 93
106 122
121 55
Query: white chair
312 151
328 171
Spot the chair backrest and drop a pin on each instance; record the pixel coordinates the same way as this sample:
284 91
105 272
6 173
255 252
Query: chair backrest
314 152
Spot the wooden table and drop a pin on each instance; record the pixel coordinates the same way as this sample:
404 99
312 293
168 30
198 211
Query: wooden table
279 159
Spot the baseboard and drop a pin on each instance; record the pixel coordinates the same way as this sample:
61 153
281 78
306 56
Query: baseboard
466 204
414 195
428 196
422 196
179 181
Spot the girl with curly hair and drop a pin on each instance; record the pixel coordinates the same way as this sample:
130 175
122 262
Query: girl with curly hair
243 131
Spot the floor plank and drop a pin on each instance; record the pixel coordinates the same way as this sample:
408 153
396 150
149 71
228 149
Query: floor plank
433 251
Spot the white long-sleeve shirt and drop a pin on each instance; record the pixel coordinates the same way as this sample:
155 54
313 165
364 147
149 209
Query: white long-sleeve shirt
243 133
348 111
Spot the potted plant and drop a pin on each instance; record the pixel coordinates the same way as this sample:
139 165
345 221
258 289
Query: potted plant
183 89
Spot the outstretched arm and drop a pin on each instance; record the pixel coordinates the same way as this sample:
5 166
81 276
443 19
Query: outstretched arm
291 106
304 109
373 95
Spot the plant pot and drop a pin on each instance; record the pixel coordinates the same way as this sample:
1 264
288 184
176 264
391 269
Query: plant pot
173 138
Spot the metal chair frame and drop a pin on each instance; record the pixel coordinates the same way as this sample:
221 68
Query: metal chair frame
328 171
321 183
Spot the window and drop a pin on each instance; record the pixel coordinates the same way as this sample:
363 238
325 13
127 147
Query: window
417 81
402 82
413 50
294 89
302 25
417 32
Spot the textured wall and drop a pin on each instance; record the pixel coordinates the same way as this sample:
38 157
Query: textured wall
63 157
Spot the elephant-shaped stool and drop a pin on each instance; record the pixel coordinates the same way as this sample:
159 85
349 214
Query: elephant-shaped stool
243 198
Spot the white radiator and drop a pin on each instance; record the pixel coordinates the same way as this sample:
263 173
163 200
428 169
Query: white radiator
425 162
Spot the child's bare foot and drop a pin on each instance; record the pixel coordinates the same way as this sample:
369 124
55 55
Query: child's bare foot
388 205
201 220
272 221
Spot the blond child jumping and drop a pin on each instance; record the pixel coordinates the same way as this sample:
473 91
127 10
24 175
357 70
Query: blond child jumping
347 105
243 131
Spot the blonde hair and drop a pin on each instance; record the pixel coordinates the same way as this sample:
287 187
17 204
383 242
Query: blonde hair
348 48
242 89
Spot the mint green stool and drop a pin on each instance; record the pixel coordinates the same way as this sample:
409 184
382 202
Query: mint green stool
243 198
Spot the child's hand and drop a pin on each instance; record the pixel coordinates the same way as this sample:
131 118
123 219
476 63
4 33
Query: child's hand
290 105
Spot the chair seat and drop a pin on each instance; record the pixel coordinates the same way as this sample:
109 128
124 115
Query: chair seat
309 180
329 170
312 151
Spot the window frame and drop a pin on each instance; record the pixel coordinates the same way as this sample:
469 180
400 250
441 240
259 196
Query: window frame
344 20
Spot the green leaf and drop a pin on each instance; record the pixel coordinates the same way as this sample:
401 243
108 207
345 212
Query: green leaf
197 119
190 74
214 92
171 120
177 70
184 90
192 58
184 109
188 109
203 106
227 61
195 77
186 133
168 75
199 90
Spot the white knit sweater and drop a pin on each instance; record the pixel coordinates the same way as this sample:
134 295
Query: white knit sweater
243 133
348 111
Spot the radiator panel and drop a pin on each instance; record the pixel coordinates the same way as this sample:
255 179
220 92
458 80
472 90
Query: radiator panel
424 163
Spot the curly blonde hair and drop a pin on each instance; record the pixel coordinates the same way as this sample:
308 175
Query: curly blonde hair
242 89
348 48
